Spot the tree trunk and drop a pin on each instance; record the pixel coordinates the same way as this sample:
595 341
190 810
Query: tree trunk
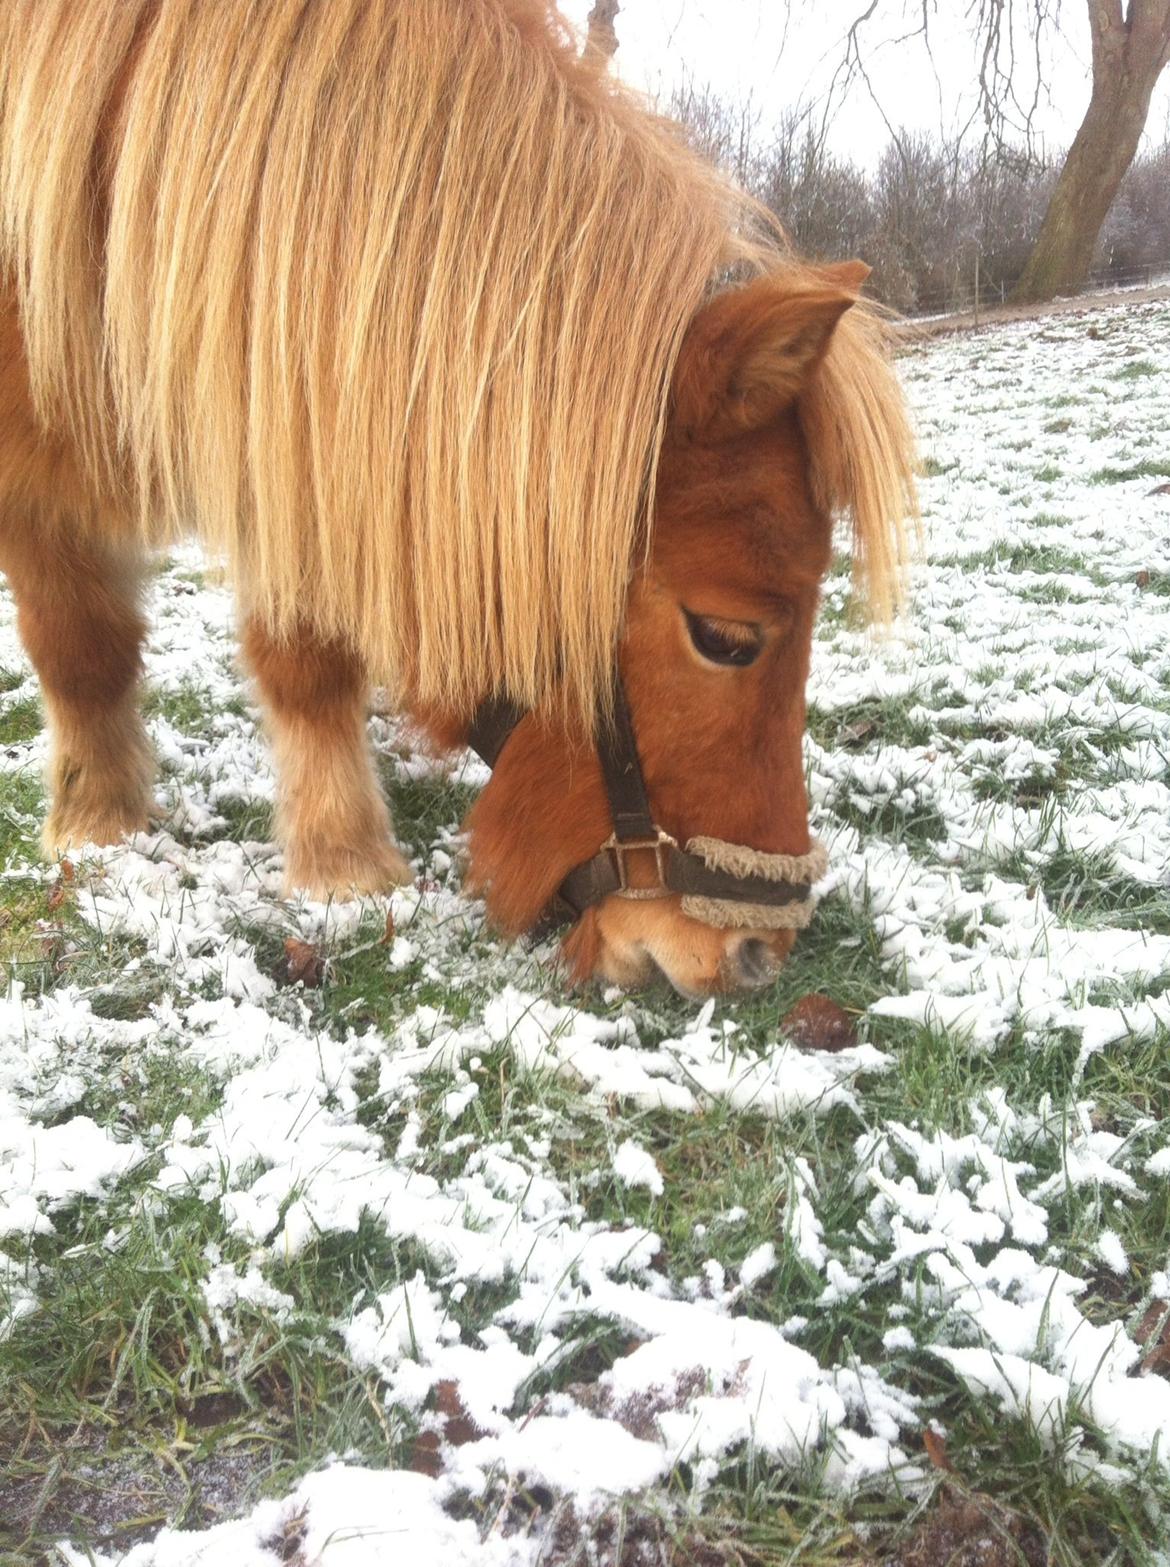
1128 57
602 40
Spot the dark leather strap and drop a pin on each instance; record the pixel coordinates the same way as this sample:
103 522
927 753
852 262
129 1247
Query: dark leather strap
688 873
491 725
685 873
587 884
621 768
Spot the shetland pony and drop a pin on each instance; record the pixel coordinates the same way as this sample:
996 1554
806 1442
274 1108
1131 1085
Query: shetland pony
485 386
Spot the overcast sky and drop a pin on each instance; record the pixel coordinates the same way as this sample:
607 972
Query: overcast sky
778 54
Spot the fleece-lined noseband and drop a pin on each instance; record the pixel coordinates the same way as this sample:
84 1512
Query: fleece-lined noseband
722 884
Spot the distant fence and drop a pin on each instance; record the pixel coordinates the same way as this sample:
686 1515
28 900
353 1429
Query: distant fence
969 297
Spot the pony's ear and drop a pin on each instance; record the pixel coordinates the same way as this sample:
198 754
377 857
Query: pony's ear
749 353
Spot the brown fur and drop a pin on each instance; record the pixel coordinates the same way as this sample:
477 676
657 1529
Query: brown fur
77 596
739 534
414 317
364 265
79 618
330 811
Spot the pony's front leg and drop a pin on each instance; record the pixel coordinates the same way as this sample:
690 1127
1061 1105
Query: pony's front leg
331 817
78 615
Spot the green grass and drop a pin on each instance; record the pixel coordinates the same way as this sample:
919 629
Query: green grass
877 721
1030 556
20 721
120 1407
187 706
1149 468
120 1384
1136 370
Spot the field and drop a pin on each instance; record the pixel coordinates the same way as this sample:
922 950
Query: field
353 1236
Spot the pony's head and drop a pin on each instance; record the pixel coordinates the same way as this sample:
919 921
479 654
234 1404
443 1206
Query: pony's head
779 413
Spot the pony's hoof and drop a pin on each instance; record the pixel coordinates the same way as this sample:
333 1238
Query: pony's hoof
69 832
346 873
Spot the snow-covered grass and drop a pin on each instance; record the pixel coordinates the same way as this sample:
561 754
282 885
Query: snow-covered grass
435 1261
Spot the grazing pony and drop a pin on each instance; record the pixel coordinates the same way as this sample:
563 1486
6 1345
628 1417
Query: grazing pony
490 391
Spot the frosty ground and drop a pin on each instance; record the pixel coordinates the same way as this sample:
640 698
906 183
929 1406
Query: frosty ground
412 1254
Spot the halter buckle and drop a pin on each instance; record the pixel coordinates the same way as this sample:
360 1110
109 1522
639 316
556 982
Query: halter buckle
620 847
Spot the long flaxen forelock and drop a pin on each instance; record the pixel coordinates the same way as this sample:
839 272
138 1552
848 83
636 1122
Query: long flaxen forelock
384 299
863 457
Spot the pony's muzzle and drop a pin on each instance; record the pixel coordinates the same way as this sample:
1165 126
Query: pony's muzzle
754 964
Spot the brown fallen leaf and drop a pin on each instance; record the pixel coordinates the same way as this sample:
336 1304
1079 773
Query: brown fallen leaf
424 1455
457 1429
1153 1334
306 964
858 733
816 1023
389 933
458 1426
57 894
936 1450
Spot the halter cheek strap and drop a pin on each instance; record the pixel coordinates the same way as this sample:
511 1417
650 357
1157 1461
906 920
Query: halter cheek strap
722 884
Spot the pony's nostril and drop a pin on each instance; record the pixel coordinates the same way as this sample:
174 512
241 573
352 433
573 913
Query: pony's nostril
755 962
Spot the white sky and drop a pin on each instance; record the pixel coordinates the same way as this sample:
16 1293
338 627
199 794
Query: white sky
779 54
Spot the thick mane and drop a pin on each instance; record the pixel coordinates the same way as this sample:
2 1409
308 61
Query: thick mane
383 297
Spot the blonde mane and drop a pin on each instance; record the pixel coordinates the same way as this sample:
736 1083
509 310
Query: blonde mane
383 298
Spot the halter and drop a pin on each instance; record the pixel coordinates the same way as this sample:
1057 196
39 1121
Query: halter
722 884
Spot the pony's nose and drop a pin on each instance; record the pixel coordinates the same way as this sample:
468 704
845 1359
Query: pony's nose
755 963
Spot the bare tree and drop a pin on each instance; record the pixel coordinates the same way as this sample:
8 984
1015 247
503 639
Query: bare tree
601 41
1131 49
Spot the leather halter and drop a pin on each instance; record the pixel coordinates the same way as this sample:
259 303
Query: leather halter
634 828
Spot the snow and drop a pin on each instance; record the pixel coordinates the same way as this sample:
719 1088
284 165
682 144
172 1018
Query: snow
958 1241
633 1166
757 1265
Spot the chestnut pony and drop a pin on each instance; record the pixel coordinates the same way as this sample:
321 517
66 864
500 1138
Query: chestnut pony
485 386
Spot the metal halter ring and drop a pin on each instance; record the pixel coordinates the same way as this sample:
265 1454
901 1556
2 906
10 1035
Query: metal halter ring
661 843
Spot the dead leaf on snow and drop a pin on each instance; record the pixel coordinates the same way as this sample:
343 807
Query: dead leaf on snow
816 1023
306 963
936 1450
455 1427
1153 1334
858 733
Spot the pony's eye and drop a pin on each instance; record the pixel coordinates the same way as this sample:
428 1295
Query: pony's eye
733 643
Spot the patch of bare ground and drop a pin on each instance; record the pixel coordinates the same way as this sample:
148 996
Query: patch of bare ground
619 1540
910 331
969 1530
92 1485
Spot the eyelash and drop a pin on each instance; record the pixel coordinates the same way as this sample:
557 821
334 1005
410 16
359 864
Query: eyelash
713 645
